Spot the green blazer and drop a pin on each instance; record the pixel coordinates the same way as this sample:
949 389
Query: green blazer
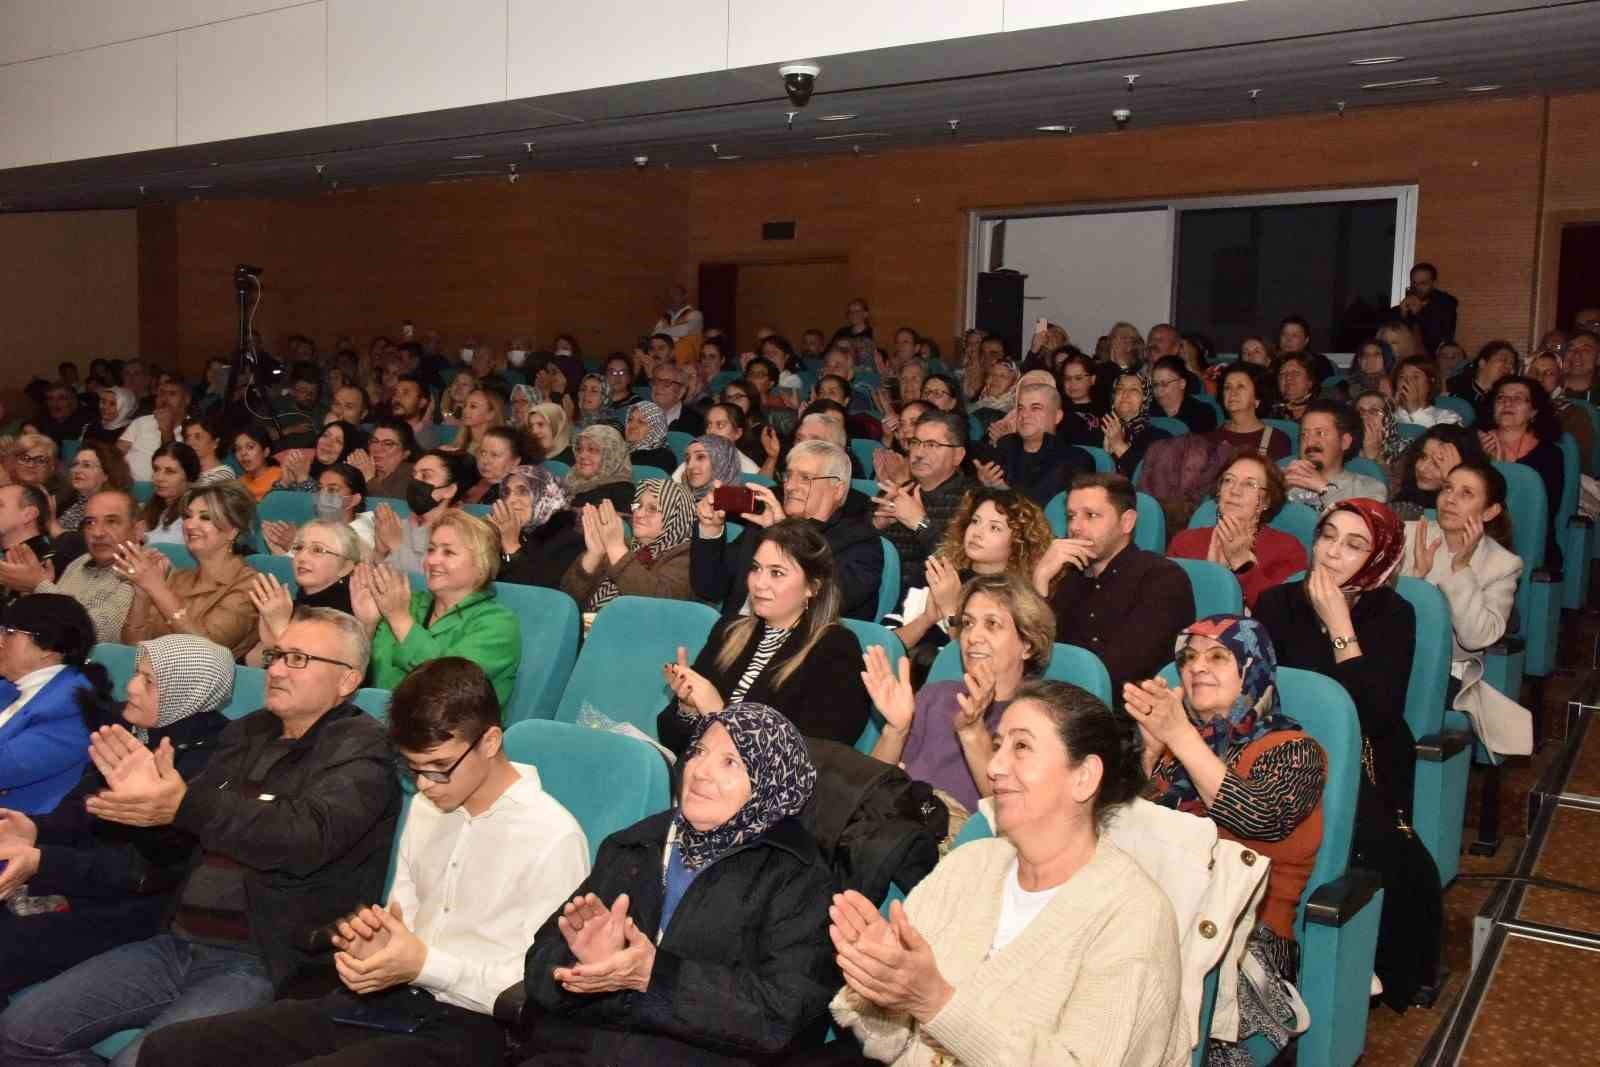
480 628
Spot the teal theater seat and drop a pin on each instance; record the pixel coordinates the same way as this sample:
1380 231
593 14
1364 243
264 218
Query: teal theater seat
1216 590
280 567
889 583
618 670
1150 532
119 662
286 505
870 633
677 440
1439 801
549 626
1068 663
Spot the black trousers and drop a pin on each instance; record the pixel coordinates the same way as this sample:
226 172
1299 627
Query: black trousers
304 1032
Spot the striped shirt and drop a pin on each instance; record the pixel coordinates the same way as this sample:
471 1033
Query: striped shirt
772 640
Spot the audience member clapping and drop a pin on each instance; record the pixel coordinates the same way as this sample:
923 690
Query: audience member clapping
325 555
652 561
1250 492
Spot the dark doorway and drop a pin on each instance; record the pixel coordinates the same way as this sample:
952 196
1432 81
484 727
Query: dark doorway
1578 277
719 296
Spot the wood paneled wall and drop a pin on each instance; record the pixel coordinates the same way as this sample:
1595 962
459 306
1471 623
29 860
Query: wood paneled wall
593 253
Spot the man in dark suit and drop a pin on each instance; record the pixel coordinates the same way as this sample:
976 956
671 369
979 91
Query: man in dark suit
1428 308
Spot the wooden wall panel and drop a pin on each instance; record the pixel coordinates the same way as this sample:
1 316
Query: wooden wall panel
158 281
791 298
593 253
1571 186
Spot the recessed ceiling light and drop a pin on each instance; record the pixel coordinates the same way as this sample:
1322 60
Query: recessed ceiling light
1051 129
847 136
1481 88
202 185
1375 61
730 157
842 117
466 156
1406 83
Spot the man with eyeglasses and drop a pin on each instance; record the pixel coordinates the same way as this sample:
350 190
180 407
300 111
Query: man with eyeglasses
110 518
1330 434
485 857
292 823
815 485
667 390
914 514
24 514
391 451
1427 307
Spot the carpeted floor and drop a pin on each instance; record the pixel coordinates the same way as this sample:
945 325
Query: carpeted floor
1536 1011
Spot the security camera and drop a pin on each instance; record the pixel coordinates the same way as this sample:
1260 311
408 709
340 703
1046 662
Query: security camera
512 178
800 81
1122 116
641 161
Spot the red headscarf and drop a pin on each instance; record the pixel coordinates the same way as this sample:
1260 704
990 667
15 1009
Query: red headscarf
1388 543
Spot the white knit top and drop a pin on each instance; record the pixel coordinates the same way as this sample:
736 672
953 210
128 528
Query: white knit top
1093 980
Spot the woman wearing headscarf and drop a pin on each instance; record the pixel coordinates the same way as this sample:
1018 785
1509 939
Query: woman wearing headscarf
592 409
548 425
999 393
117 879
524 398
303 467
1372 367
1126 431
639 969
45 675
1220 747
1346 620
708 459
654 561
647 437
546 549
118 407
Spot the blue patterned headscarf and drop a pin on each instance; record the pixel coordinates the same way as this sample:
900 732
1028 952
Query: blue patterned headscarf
782 779
1255 712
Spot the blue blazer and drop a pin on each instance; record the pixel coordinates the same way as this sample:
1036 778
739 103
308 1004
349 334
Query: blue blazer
45 746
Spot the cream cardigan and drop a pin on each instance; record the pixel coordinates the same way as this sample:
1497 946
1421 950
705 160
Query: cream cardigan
1093 980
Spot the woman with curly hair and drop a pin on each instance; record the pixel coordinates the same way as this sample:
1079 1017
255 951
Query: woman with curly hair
996 531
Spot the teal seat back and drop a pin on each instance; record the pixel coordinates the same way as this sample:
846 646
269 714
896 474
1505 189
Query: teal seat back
677 440
977 828
249 691
143 491
1103 463
1289 428
870 633
1363 465
618 670
68 452
374 702
1468 413
606 781
1594 424
1530 521
479 510
1068 663
556 467
1216 590
287 505
865 486
1174 427
1297 520
119 662
643 472
182 559
400 507
1430 657
1324 711
1410 431
548 619
722 379
1570 470
889 584
280 567
758 479
1211 402
864 448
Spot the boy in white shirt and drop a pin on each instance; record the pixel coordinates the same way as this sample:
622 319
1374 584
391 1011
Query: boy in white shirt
485 857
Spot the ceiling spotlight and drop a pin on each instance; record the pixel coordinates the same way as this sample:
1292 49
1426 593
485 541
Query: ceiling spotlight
1055 128
1405 83
1482 88
463 157
1131 79
141 190
319 168
1255 95
512 176
1339 106
790 124
529 146
954 125
730 157
842 117
1376 61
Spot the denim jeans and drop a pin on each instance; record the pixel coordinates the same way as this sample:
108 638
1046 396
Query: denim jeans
147 984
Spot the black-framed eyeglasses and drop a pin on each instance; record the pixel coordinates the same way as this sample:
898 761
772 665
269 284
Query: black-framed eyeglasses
33 459
923 442
296 660
804 480
441 777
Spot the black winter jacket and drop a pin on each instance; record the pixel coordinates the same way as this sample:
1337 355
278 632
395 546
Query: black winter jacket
743 974
320 848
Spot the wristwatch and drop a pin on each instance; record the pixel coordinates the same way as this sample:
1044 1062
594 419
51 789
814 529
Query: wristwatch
1342 643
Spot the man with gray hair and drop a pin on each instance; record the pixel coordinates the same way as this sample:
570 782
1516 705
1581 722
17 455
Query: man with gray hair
1035 460
292 822
815 484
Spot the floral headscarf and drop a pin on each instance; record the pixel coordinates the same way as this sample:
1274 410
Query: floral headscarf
1388 544
1255 712
1135 426
677 527
1006 400
655 419
782 779
725 466
614 463
599 415
530 394
127 407
549 495
193 675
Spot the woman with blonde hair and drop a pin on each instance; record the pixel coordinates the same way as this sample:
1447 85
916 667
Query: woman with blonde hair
482 411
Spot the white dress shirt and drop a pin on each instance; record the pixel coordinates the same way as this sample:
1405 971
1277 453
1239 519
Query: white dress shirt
28 687
143 437
476 889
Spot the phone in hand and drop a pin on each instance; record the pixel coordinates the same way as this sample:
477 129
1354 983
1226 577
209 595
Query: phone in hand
735 500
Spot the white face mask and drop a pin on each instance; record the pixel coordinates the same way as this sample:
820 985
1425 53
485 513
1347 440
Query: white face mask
517 356
466 354
328 504
564 352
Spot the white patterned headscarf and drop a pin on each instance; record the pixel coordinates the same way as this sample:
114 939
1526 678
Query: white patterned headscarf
193 675
782 779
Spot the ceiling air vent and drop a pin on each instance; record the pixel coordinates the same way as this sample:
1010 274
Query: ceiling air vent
777 231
